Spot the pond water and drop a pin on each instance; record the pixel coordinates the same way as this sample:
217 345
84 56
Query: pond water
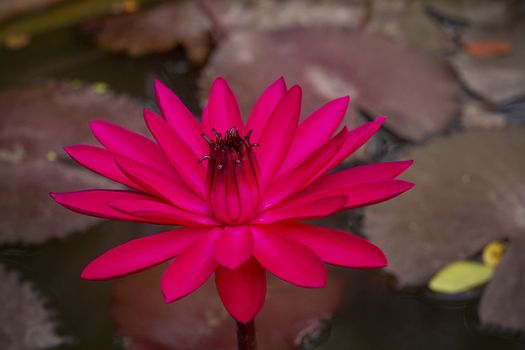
374 315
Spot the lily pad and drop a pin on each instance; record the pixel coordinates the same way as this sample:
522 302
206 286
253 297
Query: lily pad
36 123
159 29
469 192
417 91
502 303
496 79
291 317
407 21
25 322
191 23
9 9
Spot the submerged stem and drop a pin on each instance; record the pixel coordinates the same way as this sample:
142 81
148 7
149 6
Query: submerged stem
246 336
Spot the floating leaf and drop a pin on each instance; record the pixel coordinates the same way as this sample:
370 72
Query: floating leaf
199 321
407 22
25 321
483 49
190 23
9 9
502 303
497 79
469 193
461 276
36 123
155 30
417 91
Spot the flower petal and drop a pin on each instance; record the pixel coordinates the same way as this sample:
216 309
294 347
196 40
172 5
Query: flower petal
181 119
141 253
355 139
190 269
300 210
264 107
320 162
96 203
161 185
339 182
156 212
287 259
178 152
223 110
234 247
132 145
277 137
242 290
100 161
297 178
315 131
375 192
336 247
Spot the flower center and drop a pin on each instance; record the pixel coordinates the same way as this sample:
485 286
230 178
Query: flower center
233 177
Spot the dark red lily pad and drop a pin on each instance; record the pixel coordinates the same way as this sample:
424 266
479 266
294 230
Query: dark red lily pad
192 23
155 30
25 321
469 191
418 91
36 123
291 316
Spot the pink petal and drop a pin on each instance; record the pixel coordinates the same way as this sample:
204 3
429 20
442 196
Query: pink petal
336 247
100 161
278 135
264 107
181 156
375 192
153 211
190 269
222 109
242 290
181 119
287 259
161 185
299 210
340 181
234 247
141 253
355 139
323 160
132 145
96 203
296 179
315 131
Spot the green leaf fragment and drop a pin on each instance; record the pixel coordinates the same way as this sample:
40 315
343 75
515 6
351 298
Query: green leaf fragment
461 276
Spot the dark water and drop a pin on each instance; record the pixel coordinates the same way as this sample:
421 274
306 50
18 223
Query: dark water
374 315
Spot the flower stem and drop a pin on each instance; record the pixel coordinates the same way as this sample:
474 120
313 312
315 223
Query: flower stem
246 336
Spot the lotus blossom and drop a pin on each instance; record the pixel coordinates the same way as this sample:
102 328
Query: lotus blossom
239 194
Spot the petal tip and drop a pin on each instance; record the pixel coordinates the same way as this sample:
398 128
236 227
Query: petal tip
380 119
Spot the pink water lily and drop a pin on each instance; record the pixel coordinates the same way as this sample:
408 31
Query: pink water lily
240 193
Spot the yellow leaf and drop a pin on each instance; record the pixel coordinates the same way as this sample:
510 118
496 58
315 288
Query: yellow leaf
461 276
493 253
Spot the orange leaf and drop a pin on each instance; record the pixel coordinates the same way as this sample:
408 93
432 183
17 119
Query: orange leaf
483 49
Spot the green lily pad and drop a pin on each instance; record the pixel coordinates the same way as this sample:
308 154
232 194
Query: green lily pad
461 276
